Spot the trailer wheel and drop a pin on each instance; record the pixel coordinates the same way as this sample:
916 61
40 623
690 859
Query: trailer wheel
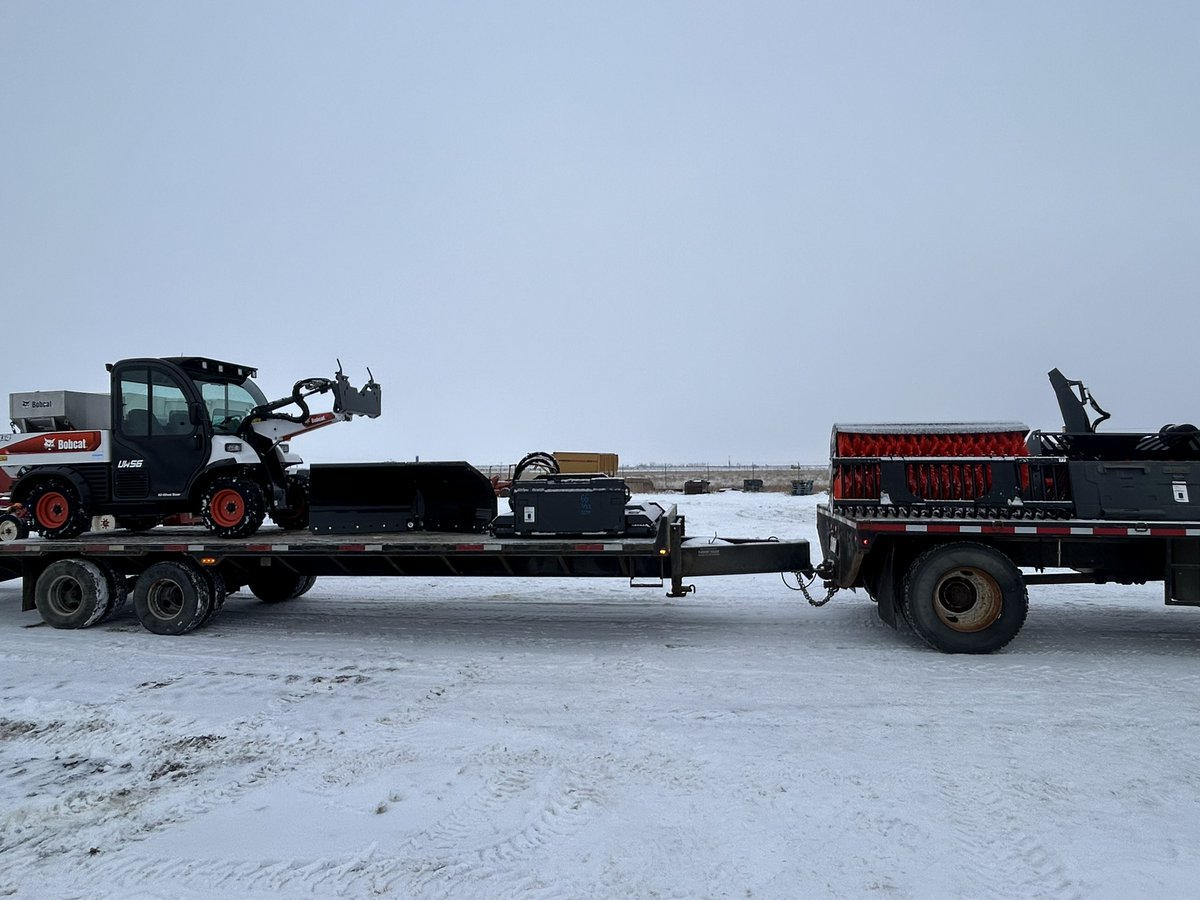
172 597
233 507
13 528
71 593
277 588
216 584
56 509
965 598
118 590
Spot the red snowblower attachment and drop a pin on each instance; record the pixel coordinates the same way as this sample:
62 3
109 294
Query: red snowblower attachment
910 468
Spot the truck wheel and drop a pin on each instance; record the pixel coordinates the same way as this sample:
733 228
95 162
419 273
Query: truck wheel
56 509
71 593
233 507
295 518
280 587
965 598
13 528
172 597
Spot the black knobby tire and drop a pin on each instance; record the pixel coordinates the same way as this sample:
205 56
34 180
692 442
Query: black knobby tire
233 507
72 593
280 586
13 528
56 510
295 518
172 597
965 598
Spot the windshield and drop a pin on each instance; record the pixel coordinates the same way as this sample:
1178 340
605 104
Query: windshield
228 404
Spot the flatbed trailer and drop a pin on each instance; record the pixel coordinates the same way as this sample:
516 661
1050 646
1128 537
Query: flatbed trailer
179 577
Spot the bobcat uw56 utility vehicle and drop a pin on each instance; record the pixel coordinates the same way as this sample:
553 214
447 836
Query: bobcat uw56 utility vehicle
175 435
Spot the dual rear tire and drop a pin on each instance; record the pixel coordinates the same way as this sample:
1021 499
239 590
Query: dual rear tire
77 593
170 597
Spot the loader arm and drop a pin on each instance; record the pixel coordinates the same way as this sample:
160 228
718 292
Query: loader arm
348 401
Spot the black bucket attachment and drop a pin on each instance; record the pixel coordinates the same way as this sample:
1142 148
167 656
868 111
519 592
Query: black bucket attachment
363 498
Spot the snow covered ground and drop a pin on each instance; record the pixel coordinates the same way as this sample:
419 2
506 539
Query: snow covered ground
578 738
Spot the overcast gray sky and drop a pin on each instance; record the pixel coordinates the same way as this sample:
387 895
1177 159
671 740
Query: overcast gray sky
680 231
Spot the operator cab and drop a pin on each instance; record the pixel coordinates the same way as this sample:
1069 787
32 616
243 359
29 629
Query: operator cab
165 414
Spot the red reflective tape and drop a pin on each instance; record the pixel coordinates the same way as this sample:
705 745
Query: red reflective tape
589 548
175 548
1111 532
1169 532
95 548
352 548
465 547
945 529
258 548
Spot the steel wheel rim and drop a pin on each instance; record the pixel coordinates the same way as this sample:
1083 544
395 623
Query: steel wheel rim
65 596
52 510
228 507
968 600
9 530
164 600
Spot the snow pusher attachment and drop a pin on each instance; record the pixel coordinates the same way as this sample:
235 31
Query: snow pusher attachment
354 498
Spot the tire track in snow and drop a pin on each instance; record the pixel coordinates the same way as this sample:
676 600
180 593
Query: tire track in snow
999 857
454 853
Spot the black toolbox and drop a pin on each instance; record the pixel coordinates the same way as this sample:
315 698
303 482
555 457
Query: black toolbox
569 504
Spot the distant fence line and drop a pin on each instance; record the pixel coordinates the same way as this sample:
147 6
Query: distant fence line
654 477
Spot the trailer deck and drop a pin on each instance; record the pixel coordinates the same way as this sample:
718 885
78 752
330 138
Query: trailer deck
666 558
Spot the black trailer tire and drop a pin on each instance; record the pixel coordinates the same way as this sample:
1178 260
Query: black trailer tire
965 598
118 590
71 593
278 587
296 516
172 597
233 507
56 510
13 528
216 584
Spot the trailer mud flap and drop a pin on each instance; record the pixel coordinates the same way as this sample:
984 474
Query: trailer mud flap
705 556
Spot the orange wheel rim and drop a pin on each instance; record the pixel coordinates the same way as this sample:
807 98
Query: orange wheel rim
228 508
52 510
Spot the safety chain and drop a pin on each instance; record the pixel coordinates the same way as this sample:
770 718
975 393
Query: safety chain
803 588
833 589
